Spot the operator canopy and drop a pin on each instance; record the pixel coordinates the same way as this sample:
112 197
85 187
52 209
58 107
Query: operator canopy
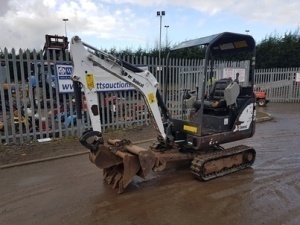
222 43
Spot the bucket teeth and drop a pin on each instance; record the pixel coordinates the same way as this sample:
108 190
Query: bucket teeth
117 179
121 189
105 173
112 176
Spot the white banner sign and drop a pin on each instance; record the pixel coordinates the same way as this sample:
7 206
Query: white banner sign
298 77
108 83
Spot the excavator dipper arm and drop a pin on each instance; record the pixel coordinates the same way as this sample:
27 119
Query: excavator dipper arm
84 63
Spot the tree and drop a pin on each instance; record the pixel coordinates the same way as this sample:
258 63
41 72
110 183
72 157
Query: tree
279 51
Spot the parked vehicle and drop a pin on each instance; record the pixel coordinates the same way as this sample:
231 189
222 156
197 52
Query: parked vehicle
261 98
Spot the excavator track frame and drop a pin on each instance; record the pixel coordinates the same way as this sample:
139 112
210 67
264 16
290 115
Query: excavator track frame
222 162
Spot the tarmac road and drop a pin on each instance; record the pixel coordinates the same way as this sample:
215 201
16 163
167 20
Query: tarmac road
71 190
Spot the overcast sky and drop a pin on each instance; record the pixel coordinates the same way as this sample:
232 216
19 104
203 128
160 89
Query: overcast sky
133 23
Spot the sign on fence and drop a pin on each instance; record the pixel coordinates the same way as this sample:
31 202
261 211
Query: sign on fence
64 72
104 81
298 77
232 73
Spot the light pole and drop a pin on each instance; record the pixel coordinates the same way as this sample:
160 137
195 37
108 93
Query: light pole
247 31
2 62
160 14
167 26
65 20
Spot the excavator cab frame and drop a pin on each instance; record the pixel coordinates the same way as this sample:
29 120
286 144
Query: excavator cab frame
218 109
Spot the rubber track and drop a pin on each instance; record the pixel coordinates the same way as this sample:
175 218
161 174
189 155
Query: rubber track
201 159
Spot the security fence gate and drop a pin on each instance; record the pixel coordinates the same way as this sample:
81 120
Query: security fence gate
31 107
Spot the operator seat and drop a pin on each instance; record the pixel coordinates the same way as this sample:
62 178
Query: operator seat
218 88
216 94
215 99
223 93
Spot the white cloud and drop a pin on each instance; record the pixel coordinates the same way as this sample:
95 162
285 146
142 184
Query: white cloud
24 23
50 3
265 11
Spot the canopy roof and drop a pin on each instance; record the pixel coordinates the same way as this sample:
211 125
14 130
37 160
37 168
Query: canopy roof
222 43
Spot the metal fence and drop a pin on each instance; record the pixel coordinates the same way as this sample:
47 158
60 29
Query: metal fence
29 113
32 108
279 83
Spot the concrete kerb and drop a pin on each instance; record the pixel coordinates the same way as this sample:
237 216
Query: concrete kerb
263 119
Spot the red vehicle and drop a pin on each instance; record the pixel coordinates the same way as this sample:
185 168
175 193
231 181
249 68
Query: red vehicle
261 98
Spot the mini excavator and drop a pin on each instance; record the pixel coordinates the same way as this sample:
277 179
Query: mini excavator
223 113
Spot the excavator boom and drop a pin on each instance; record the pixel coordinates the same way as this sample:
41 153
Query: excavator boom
85 64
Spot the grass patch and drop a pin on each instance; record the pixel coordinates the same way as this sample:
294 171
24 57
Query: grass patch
261 115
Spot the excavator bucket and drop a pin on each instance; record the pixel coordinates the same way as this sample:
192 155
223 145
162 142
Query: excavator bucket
104 158
131 166
121 161
147 159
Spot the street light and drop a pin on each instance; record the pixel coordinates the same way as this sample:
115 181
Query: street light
167 26
2 56
160 14
65 20
247 31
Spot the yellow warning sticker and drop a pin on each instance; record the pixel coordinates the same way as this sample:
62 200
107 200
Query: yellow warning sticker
90 81
151 98
190 128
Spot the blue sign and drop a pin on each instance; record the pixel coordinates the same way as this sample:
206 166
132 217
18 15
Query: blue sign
64 73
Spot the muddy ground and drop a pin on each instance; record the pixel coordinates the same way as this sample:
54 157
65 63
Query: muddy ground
72 191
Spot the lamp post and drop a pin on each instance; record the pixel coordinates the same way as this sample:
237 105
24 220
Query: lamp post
2 62
65 20
160 14
167 26
247 31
